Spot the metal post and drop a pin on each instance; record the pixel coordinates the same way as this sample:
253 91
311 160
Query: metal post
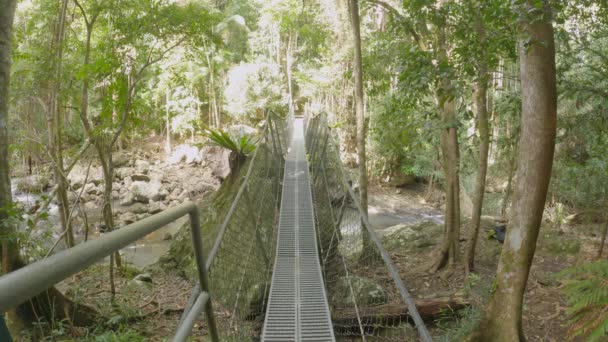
197 241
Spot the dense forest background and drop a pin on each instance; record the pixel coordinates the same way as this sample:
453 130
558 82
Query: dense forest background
436 100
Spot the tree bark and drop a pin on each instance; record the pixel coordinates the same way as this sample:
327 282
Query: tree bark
56 132
502 319
481 108
10 252
360 115
448 251
50 304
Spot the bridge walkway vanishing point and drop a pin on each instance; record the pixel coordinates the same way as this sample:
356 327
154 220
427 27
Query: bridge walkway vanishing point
286 254
297 307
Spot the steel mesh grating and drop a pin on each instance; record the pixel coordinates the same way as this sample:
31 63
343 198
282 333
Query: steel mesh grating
297 308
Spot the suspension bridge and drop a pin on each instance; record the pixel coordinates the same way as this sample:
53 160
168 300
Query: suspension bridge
293 259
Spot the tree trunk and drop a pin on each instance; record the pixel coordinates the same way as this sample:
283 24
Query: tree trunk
481 108
55 131
360 115
10 252
604 233
50 304
168 124
448 251
502 319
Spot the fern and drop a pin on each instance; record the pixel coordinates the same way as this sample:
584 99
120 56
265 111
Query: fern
586 290
242 146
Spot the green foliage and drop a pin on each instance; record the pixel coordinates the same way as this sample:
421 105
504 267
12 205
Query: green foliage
586 290
121 335
242 146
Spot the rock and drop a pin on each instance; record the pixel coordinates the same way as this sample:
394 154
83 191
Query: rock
366 292
128 199
167 237
201 188
119 160
174 195
142 166
154 208
145 277
115 195
140 178
145 191
218 160
91 206
124 172
127 218
188 154
138 208
33 184
142 216
90 189
138 287
79 173
183 196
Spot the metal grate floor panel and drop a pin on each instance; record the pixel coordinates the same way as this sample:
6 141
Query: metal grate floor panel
297 307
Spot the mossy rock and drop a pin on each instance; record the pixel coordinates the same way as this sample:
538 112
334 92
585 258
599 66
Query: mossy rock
365 292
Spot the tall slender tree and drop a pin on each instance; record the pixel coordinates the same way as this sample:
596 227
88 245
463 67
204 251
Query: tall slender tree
359 113
502 320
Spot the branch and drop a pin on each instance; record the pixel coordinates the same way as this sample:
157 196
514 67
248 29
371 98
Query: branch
132 86
402 19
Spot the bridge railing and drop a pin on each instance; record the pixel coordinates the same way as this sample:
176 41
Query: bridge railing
241 259
19 286
368 298
236 272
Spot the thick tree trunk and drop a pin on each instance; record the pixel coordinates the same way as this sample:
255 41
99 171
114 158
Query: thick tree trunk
10 252
502 319
481 108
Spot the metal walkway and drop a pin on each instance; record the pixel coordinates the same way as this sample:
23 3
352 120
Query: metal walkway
297 308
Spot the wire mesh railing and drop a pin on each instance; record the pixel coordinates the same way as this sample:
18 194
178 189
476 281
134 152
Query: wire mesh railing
368 299
240 261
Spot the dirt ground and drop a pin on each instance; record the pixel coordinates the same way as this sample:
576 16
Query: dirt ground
544 307
149 311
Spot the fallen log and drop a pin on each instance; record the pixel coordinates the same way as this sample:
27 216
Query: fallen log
394 314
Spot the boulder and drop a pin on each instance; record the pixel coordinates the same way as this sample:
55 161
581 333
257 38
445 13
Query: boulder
119 160
154 208
127 218
33 184
128 199
218 160
142 166
138 208
174 195
365 291
188 154
124 172
145 277
143 192
79 173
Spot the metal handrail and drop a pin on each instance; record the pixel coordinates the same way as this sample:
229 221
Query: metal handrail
403 291
27 282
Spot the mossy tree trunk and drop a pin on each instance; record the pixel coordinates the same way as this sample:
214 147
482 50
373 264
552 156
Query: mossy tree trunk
502 319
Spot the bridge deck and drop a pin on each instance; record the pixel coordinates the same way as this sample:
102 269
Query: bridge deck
297 308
